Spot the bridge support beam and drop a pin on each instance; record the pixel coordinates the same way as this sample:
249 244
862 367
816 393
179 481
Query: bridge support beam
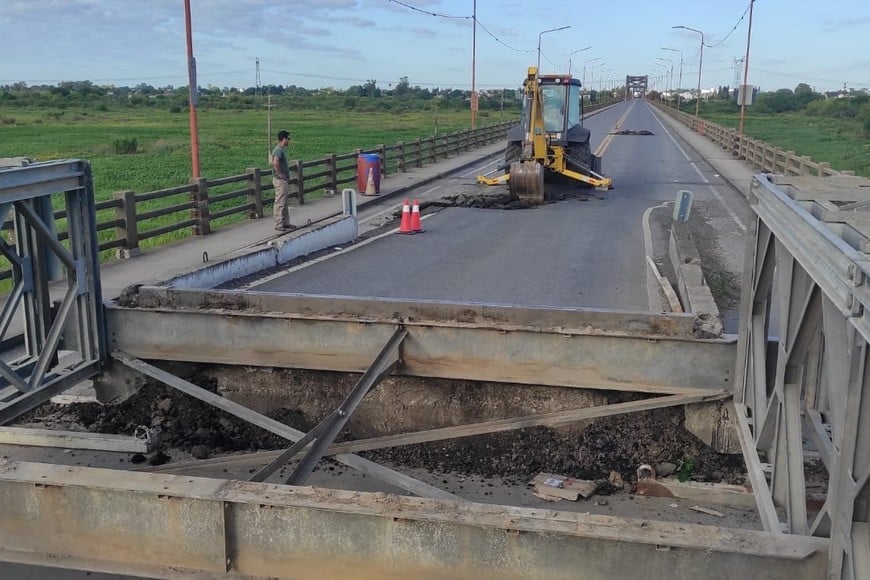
589 349
168 527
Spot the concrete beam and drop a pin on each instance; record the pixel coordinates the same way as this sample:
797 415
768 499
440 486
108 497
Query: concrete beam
331 232
493 350
168 526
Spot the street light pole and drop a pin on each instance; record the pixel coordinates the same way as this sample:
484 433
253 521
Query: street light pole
584 67
592 73
680 82
572 54
742 90
540 34
671 79
473 65
700 64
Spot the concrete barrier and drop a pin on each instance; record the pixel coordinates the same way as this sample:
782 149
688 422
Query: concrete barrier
331 232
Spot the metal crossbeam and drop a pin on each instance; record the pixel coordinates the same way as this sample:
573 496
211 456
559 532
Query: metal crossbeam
400 480
325 432
388 359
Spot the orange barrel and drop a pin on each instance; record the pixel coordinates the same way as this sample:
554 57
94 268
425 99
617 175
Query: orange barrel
364 162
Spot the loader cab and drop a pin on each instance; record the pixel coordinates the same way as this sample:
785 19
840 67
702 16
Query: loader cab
561 103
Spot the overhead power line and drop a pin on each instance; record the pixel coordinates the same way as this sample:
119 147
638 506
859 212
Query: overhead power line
479 23
420 10
501 42
745 12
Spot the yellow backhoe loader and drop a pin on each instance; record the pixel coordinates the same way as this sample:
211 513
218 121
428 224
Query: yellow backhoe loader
550 137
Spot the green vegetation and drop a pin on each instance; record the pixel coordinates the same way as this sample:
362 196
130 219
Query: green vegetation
146 147
834 129
684 471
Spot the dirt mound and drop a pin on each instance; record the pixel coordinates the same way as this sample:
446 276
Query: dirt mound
502 200
506 200
632 132
620 443
184 422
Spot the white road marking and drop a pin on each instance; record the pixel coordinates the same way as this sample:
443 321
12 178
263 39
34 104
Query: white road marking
694 165
477 171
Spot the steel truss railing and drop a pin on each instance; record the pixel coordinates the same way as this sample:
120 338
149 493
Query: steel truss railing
64 342
802 371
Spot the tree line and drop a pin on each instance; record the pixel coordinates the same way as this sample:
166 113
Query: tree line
368 96
852 105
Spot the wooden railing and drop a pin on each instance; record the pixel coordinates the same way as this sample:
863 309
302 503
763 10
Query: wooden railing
204 204
766 157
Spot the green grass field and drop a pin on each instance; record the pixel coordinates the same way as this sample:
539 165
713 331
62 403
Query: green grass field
836 141
230 141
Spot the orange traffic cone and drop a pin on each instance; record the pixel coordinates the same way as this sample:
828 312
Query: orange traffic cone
370 183
405 227
416 226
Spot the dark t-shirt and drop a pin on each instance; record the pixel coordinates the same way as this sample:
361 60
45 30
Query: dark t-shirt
281 154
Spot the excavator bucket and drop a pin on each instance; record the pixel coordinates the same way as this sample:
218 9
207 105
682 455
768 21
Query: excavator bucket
527 181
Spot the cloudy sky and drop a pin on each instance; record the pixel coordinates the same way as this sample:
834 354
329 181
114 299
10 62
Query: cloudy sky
338 43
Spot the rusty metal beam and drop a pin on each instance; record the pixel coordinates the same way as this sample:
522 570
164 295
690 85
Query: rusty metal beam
326 431
168 527
491 350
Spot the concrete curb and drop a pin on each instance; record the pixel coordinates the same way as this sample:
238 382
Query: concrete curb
692 286
339 230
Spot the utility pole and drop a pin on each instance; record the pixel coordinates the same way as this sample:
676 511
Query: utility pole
745 71
474 101
269 129
192 94
257 78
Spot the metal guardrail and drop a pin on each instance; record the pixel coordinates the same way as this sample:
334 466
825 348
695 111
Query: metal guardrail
802 367
766 157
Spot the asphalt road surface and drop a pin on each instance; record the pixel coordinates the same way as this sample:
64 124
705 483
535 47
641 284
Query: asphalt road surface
572 253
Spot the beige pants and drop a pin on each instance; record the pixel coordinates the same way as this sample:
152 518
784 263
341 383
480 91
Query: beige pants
281 209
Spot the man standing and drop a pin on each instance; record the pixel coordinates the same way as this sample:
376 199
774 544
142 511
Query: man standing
280 177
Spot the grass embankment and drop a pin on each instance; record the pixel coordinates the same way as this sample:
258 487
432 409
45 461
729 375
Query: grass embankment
841 142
